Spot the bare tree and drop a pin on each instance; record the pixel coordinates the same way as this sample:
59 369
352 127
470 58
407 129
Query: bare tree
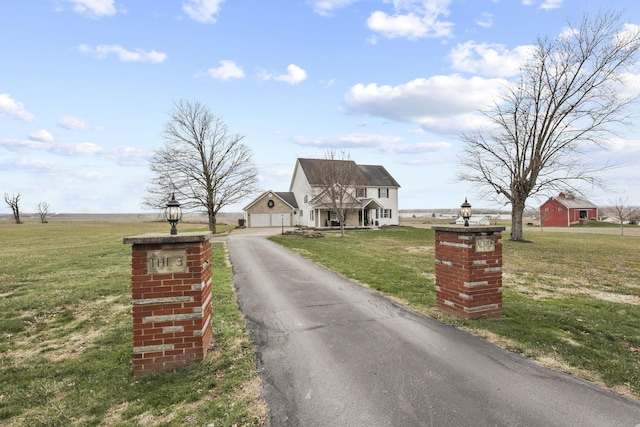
333 183
623 211
567 100
13 202
202 162
43 211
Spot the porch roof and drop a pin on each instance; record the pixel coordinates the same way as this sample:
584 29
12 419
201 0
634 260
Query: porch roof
356 204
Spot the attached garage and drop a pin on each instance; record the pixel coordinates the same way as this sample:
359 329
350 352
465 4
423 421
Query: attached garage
280 220
272 209
260 220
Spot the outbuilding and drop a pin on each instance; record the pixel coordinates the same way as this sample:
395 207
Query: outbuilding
271 209
566 209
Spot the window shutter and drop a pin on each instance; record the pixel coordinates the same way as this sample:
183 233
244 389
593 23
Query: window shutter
378 194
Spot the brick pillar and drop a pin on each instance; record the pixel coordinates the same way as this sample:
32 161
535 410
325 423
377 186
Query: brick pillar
469 271
171 291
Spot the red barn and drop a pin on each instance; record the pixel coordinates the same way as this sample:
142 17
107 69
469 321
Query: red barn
566 209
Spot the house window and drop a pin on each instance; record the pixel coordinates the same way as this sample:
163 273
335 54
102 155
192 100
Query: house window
361 192
546 209
559 209
306 198
383 193
300 212
332 216
385 213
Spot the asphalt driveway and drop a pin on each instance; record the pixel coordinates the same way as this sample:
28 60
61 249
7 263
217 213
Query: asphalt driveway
333 353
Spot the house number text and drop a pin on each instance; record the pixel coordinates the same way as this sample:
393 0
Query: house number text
485 244
164 262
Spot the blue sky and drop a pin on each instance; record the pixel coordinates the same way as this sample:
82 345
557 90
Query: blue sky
86 87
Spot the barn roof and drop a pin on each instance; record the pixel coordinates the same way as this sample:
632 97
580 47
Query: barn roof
572 202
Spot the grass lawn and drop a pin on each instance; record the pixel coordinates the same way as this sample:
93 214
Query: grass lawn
571 300
66 336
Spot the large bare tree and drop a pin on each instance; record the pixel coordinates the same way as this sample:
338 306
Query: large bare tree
14 203
333 182
569 99
205 165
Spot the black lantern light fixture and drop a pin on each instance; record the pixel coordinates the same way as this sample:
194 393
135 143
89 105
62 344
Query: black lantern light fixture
465 212
173 213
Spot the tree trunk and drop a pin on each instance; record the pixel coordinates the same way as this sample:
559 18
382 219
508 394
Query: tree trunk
212 222
517 210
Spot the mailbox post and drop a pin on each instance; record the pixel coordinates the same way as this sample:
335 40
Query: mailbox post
171 291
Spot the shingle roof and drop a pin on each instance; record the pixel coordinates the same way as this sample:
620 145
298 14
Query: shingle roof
377 176
573 202
288 197
370 175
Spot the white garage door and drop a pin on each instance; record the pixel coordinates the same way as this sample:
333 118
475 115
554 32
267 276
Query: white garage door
277 220
259 220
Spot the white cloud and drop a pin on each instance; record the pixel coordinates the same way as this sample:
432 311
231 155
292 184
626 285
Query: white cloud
413 19
203 11
421 147
485 20
441 103
354 140
30 165
620 145
490 59
93 8
42 135
551 4
137 55
72 123
124 156
227 70
385 143
294 75
13 108
546 4
326 7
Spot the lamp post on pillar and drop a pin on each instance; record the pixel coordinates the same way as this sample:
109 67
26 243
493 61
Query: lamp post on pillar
465 212
173 213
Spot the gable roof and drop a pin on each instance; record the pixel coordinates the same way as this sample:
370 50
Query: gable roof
286 197
570 201
369 175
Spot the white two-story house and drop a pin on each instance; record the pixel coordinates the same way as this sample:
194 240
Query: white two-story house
372 201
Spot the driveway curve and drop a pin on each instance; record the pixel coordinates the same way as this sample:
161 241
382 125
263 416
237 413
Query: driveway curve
333 353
